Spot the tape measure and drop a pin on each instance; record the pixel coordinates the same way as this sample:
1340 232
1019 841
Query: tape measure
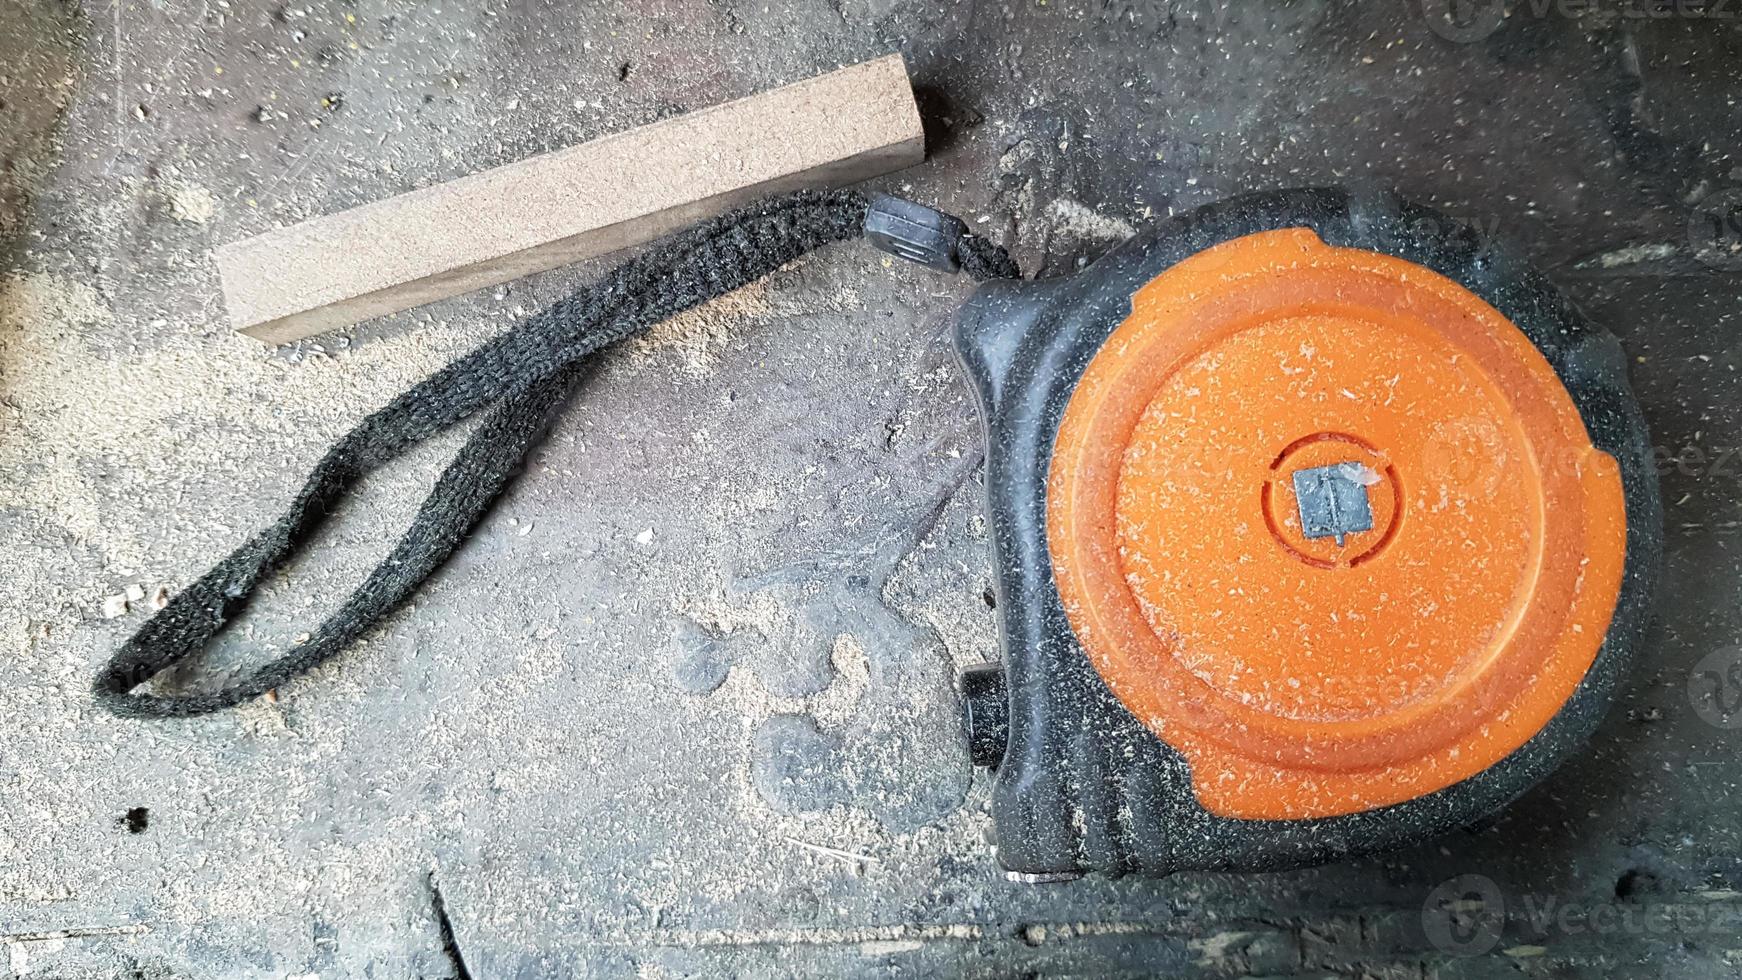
1322 526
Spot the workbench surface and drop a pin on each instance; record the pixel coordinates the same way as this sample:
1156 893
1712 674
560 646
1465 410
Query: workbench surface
684 703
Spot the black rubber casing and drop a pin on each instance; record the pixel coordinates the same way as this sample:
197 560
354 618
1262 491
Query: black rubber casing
1081 784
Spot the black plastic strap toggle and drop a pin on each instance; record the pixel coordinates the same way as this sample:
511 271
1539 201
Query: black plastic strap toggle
915 232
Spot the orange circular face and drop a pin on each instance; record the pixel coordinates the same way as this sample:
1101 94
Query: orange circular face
1331 526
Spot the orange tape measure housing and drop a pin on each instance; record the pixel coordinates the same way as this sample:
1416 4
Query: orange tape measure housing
1301 675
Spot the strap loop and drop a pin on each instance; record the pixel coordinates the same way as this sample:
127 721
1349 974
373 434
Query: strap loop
521 377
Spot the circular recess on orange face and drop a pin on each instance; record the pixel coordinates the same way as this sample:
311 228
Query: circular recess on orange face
1327 489
1331 526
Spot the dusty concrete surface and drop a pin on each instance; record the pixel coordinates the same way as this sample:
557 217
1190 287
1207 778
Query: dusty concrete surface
711 633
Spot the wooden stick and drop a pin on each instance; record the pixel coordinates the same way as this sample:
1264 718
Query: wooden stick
570 204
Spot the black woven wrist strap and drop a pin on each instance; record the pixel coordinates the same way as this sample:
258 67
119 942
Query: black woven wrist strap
520 377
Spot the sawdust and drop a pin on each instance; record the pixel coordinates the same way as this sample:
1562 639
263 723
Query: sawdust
759 612
159 469
961 612
48 301
742 704
191 203
745 695
697 335
1079 220
50 367
61 339
852 679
